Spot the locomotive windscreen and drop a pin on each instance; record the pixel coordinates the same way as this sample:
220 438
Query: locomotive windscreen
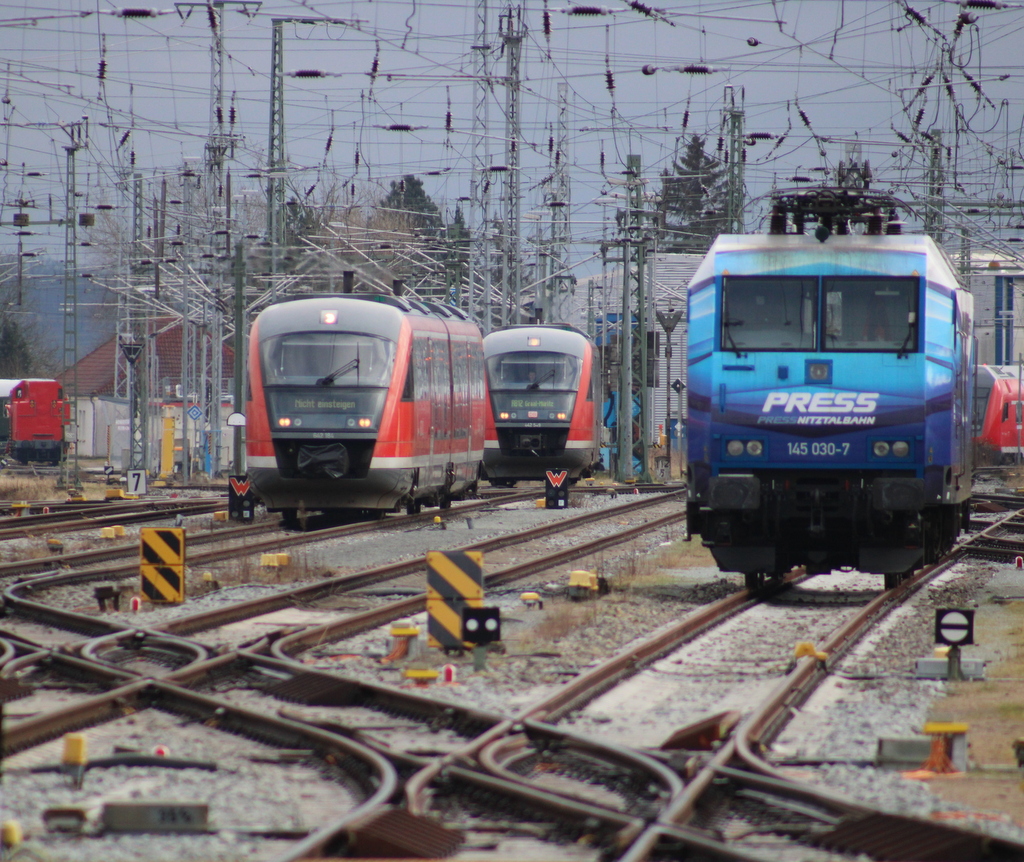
870 313
769 313
327 359
860 313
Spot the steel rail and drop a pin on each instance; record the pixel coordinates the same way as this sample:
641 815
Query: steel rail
757 730
96 555
369 577
378 784
142 643
57 522
586 686
290 644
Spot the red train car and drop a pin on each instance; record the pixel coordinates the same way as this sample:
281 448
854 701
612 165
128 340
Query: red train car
541 415
998 425
32 420
364 402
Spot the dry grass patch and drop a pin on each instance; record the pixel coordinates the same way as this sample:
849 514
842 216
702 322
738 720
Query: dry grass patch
560 620
27 488
993 708
656 568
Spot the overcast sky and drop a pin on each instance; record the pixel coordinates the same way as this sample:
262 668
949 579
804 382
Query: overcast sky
814 78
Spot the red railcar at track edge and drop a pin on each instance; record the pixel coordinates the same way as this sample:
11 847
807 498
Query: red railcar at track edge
998 427
32 418
364 402
541 414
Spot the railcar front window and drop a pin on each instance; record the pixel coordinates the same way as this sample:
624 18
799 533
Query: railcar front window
533 370
327 359
767 313
871 314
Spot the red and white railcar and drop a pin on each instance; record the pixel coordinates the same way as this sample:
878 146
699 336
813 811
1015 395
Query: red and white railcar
364 402
998 425
542 386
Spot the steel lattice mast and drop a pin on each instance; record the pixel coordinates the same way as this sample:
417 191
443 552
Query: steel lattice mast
511 269
733 118
559 204
479 261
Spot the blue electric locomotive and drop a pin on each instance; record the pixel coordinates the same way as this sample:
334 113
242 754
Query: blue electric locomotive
830 393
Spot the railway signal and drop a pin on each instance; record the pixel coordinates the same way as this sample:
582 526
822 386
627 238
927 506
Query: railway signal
241 499
481 626
954 627
556 489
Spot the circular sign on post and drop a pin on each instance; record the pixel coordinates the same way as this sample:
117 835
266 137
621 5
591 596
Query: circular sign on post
954 627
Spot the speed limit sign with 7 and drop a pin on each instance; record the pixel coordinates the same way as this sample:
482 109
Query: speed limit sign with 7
954 627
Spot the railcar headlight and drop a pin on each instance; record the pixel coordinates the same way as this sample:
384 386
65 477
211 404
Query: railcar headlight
901 449
503 416
734 448
284 422
365 423
755 447
329 316
880 448
561 416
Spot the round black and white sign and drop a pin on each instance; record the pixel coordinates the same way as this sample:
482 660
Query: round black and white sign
954 627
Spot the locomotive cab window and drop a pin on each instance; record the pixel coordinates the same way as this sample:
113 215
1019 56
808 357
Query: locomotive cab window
769 313
871 314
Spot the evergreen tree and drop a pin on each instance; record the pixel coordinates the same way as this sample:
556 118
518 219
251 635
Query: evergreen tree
692 201
408 198
16 358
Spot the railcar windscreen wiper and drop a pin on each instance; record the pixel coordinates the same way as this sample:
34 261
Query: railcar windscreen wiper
328 379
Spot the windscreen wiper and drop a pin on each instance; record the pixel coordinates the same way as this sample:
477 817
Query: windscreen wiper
911 326
726 324
328 379
547 375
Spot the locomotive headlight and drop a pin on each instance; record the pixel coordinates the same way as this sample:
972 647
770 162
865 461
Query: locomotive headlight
734 448
561 416
503 416
901 449
755 447
365 423
329 317
880 448
818 371
284 422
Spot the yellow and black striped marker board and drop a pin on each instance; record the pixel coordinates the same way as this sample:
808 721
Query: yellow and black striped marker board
455 579
162 563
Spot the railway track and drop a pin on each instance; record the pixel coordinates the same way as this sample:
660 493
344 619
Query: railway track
31 599
89 517
468 768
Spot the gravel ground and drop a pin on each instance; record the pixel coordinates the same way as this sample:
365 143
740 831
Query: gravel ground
245 794
871 694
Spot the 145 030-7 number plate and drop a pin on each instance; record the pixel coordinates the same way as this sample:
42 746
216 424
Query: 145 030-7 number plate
817 449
